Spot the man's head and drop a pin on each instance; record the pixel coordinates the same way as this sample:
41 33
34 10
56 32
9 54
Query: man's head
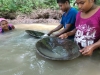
64 4
62 1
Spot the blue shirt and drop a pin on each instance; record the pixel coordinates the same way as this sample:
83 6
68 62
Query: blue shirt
69 18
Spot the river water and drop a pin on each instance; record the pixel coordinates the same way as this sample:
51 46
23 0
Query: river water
18 56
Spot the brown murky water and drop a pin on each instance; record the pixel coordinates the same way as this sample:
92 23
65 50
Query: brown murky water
18 56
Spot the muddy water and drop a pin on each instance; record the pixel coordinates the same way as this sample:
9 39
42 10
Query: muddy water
18 56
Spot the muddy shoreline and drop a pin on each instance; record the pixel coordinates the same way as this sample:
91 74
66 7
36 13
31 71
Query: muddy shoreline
47 16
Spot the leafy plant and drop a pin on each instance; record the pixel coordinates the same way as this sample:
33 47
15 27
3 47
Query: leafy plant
26 6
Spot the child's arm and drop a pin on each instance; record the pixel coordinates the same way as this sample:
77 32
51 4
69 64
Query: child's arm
56 29
89 49
12 26
65 35
68 26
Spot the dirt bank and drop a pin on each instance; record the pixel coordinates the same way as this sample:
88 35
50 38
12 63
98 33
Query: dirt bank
36 16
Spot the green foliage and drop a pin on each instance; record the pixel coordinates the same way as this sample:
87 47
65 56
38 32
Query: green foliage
98 2
51 3
16 5
7 6
26 6
45 4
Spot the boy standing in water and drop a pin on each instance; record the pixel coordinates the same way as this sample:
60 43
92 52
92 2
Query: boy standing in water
68 18
4 26
87 31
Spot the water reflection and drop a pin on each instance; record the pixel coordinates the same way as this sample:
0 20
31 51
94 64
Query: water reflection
18 57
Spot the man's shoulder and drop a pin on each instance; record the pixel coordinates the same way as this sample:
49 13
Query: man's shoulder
73 9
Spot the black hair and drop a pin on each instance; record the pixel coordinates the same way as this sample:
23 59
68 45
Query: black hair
63 1
95 1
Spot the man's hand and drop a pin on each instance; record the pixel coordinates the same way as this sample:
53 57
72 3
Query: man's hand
50 33
63 36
